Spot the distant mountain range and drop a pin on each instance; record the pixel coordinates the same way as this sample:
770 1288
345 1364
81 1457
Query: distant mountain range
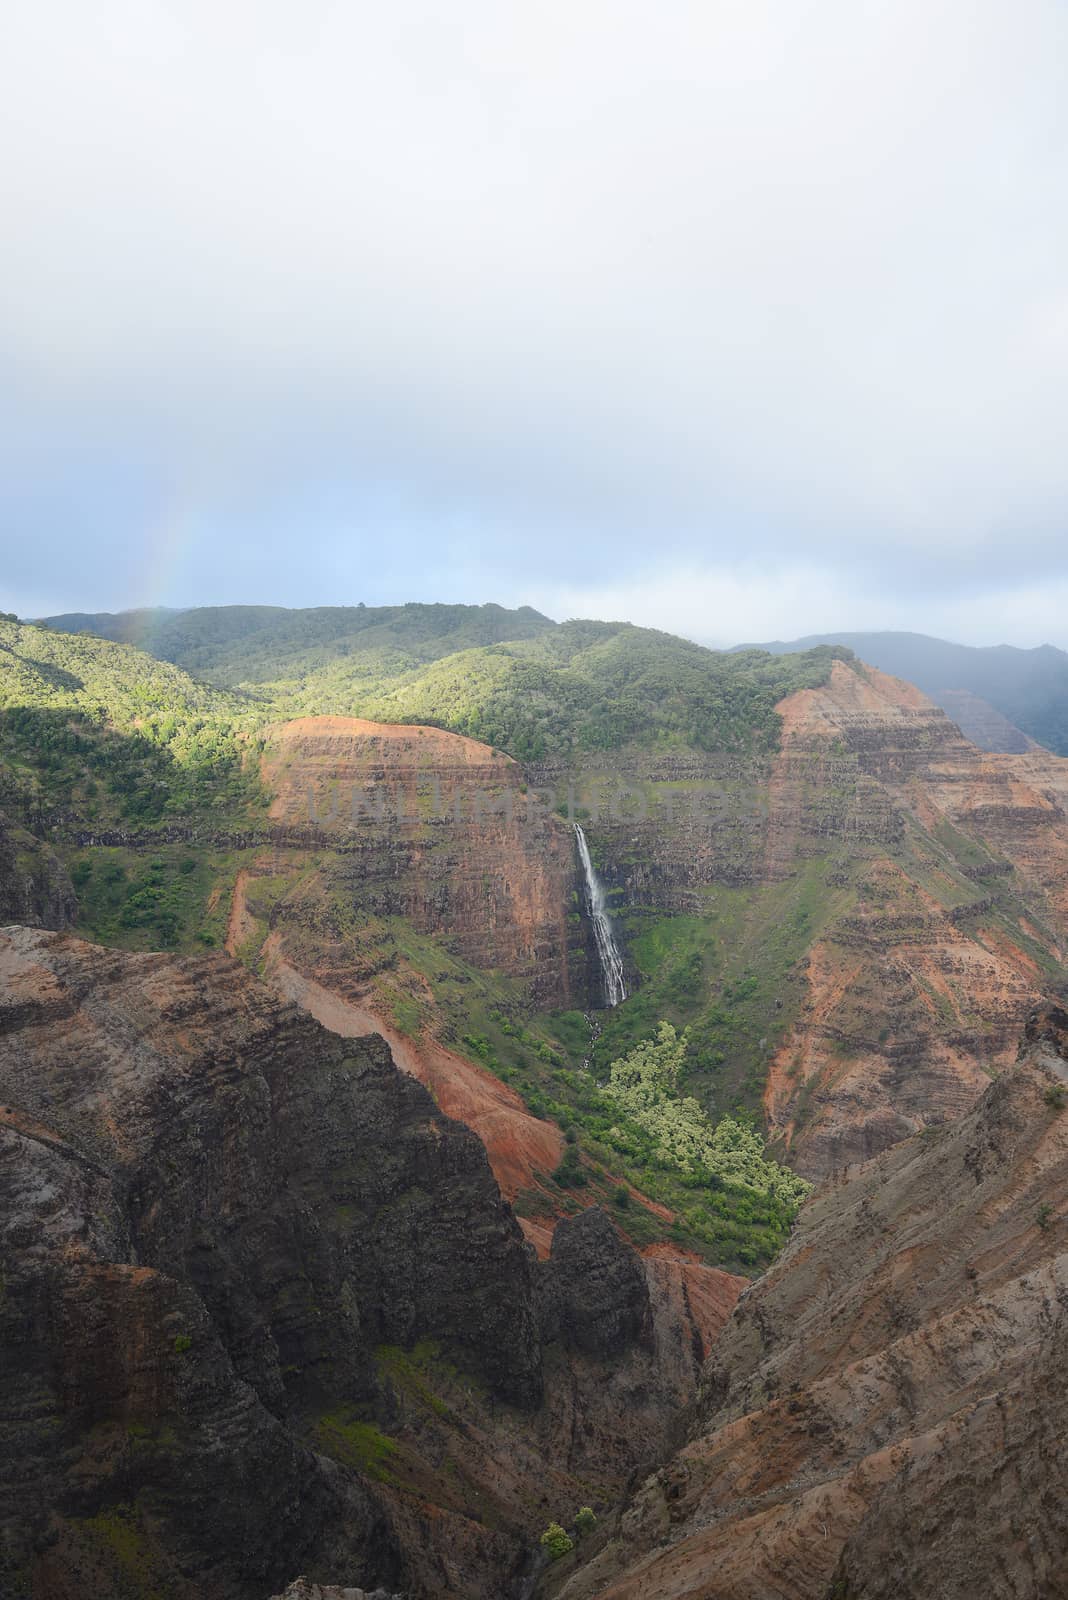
1000 696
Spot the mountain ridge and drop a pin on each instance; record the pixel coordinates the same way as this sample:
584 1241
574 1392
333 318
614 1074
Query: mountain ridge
1028 687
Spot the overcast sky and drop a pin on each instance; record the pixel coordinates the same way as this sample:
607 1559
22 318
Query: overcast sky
744 318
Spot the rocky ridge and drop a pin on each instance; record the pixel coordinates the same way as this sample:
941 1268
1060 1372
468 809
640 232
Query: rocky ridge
920 991
885 1414
438 829
266 1313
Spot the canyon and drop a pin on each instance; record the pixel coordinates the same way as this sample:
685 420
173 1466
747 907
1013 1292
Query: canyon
328 1266
265 1313
936 876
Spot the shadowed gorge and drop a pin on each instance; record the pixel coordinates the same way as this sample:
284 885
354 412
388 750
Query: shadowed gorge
267 1313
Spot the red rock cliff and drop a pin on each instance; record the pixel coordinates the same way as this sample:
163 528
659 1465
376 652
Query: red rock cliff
886 1413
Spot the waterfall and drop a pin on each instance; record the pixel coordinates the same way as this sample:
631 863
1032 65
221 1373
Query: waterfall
615 989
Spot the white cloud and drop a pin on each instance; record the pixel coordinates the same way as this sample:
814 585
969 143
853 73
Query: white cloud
743 605
737 277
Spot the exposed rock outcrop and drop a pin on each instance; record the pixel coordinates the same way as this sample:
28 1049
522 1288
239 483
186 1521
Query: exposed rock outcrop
264 1311
302 1589
935 912
215 1212
919 991
886 1412
598 1296
521 1147
34 886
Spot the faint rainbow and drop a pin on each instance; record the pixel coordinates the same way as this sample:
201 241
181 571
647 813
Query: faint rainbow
167 545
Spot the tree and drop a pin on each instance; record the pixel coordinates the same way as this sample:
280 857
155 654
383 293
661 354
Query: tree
556 1541
644 1084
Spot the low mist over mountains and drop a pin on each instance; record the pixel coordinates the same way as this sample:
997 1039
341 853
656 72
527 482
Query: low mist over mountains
1027 689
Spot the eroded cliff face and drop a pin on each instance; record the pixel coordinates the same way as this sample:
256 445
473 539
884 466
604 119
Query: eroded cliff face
885 1414
216 1212
901 899
34 886
266 1313
521 1148
390 829
918 992
435 828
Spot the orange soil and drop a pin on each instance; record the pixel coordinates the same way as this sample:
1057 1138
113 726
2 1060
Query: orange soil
455 745
521 1148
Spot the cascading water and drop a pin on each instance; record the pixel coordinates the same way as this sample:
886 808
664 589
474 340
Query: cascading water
608 953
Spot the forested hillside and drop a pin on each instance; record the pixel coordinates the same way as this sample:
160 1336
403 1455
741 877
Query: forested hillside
103 732
233 645
512 679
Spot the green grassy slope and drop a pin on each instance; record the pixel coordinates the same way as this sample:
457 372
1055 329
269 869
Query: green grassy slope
583 686
96 735
100 739
511 678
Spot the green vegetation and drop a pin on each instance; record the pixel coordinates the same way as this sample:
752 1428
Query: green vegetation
584 686
102 741
730 977
1056 1097
355 1443
129 766
585 1521
182 1343
510 678
415 1372
173 898
232 645
117 1541
484 1016
98 734
645 1084
556 1542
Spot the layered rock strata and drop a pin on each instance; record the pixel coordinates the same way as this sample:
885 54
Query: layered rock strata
440 830
885 1414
